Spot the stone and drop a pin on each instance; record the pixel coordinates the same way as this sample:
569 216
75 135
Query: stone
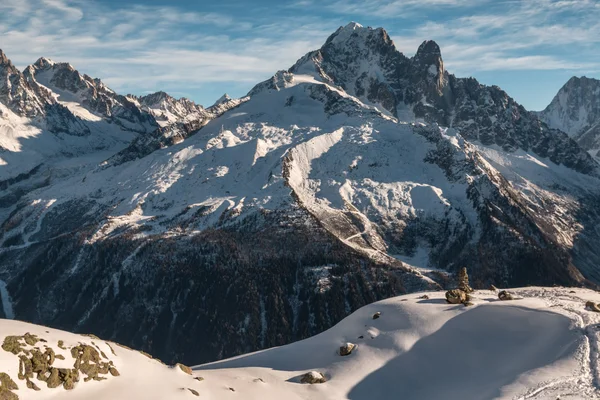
313 377
504 296
590 305
7 383
194 392
33 386
376 315
456 296
6 394
424 297
493 288
184 368
347 349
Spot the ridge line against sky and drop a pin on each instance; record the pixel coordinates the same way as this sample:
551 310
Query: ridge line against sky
200 50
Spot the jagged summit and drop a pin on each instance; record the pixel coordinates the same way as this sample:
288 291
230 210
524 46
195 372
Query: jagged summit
429 53
4 60
223 99
44 63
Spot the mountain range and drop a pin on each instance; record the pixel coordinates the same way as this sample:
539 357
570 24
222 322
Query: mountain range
358 174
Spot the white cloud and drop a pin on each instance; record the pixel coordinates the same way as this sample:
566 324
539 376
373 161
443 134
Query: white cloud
139 48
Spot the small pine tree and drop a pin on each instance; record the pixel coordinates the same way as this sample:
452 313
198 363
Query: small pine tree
463 281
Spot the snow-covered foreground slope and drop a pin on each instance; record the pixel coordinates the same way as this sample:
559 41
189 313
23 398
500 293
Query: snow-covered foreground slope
137 375
543 345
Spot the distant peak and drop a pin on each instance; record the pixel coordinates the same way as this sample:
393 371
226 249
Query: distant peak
3 59
428 49
352 26
44 62
578 80
223 99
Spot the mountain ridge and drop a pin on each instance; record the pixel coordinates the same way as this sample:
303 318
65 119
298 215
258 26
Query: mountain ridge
356 175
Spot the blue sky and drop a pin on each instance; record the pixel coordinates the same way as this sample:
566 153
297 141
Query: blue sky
202 49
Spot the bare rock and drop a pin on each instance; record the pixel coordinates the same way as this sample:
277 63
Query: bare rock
424 297
463 281
313 377
590 305
346 349
376 315
184 368
493 288
456 296
504 296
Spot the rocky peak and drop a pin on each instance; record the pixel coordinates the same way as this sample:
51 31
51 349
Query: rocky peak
3 59
575 110
428 53
223 99
428 64
43 63
17 93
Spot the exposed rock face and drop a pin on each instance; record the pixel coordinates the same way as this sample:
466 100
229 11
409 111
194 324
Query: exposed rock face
419 88
17 94
576 110
92 93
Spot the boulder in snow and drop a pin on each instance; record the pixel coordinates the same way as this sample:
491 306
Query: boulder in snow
456 296
590 305
346 349
504 295
313 377
376 315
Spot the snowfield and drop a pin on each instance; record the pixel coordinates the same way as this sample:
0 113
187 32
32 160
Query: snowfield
543 345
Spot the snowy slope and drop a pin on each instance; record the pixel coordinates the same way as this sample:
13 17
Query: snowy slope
544 345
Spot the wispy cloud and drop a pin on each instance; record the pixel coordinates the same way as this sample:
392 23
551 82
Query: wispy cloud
140 48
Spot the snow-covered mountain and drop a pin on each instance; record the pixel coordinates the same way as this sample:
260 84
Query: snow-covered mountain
356 175
576 111
544 345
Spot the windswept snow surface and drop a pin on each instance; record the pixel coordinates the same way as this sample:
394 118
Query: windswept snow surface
544 345
541 346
